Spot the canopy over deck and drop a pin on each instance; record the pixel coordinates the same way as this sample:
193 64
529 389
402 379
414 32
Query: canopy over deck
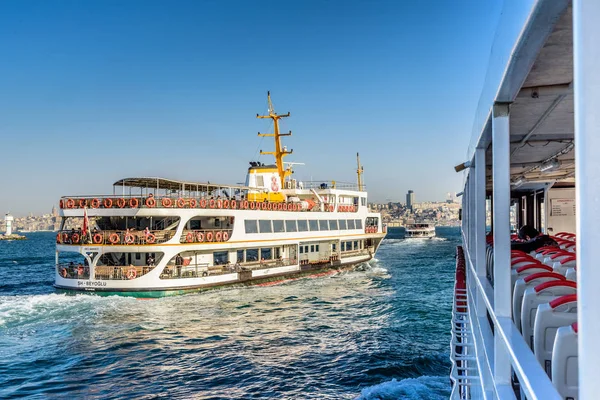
171 184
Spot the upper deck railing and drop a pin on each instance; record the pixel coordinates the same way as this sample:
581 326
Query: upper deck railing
149 202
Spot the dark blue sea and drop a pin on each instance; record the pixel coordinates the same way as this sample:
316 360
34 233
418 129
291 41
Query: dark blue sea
381 332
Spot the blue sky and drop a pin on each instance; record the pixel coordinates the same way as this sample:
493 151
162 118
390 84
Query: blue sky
93 91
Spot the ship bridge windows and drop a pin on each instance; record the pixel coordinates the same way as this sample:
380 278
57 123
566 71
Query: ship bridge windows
372 221
278 226
363 201
302 225
351 224
313 224
358 223
323 225
333 224
343 225
290 225
265 226
251 226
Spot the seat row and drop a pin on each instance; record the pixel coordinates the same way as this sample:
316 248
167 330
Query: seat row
545 311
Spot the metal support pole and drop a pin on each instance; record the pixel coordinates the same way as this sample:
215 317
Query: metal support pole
480 217
501 216
586 54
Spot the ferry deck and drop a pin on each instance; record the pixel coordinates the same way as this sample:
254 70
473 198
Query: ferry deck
525 323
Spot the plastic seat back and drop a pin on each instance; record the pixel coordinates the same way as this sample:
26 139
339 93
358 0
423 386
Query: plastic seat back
549 317
533 297
526 270
565 369
524 283
571 274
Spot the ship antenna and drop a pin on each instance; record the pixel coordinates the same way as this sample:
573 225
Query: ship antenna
359 171
280 151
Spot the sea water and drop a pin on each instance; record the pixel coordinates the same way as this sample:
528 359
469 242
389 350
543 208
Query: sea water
378 332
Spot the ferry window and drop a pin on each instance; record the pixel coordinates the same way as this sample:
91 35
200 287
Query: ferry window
138 256
333 247
333 225
317 248
302 225
343 246
363 201
306 249
350 224
323 225
260 181
358 224
220 258
217 223
312 248
356 245
240 256
251 226
290 226
251 255
342 224
265 225
348 246
278 226
314 225
301 249
267 254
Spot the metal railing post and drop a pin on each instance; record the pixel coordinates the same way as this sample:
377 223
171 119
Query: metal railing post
480 220
501 216
586 59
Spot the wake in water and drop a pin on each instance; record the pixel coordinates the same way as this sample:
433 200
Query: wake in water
423 387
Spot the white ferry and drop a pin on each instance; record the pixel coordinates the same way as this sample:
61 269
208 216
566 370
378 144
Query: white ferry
154 237
423 230
517 328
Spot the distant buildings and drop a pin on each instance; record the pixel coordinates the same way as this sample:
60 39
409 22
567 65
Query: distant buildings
31 223
410 200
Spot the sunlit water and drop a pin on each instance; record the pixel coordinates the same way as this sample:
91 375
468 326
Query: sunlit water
380 332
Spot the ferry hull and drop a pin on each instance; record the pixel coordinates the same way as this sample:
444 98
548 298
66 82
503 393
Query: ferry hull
246 279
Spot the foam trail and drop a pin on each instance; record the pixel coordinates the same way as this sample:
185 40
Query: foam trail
423 387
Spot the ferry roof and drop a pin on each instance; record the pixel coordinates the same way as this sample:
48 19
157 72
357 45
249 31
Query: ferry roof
171 184
537 84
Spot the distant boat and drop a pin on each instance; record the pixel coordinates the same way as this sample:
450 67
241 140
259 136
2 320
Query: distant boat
420 230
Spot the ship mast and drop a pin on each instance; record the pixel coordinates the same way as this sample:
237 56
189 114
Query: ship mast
279 152
359 172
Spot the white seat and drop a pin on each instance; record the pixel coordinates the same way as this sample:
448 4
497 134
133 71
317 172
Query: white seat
564 264
565 370
526 270
533 297
556 257
526 282
549 317
571 274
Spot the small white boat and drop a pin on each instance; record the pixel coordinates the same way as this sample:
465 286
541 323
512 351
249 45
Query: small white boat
420 230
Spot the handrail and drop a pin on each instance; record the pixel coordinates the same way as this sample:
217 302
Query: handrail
72 271
114 237
149 202
196 270
205 235
121 272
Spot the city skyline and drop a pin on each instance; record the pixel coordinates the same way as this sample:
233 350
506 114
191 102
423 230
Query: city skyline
173 90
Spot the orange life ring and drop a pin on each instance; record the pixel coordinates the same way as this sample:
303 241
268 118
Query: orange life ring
95 203
129 238
150 202
113 238
209 236
225 203
218 236
58 238
134 203
81 203
264 205
189 237
70 203
211 203
97 238
225 236
151 238
180 202
107 203
279 206
131 273
200 237
193 203
65 237
233 204
121 202
252 205
269 206
75 238
61 203
166 202
219 203
331 208
284 206
244 204
203 203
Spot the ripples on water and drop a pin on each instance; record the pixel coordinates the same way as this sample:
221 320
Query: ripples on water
381 332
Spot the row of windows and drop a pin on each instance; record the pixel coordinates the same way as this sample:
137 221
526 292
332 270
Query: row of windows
301 225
